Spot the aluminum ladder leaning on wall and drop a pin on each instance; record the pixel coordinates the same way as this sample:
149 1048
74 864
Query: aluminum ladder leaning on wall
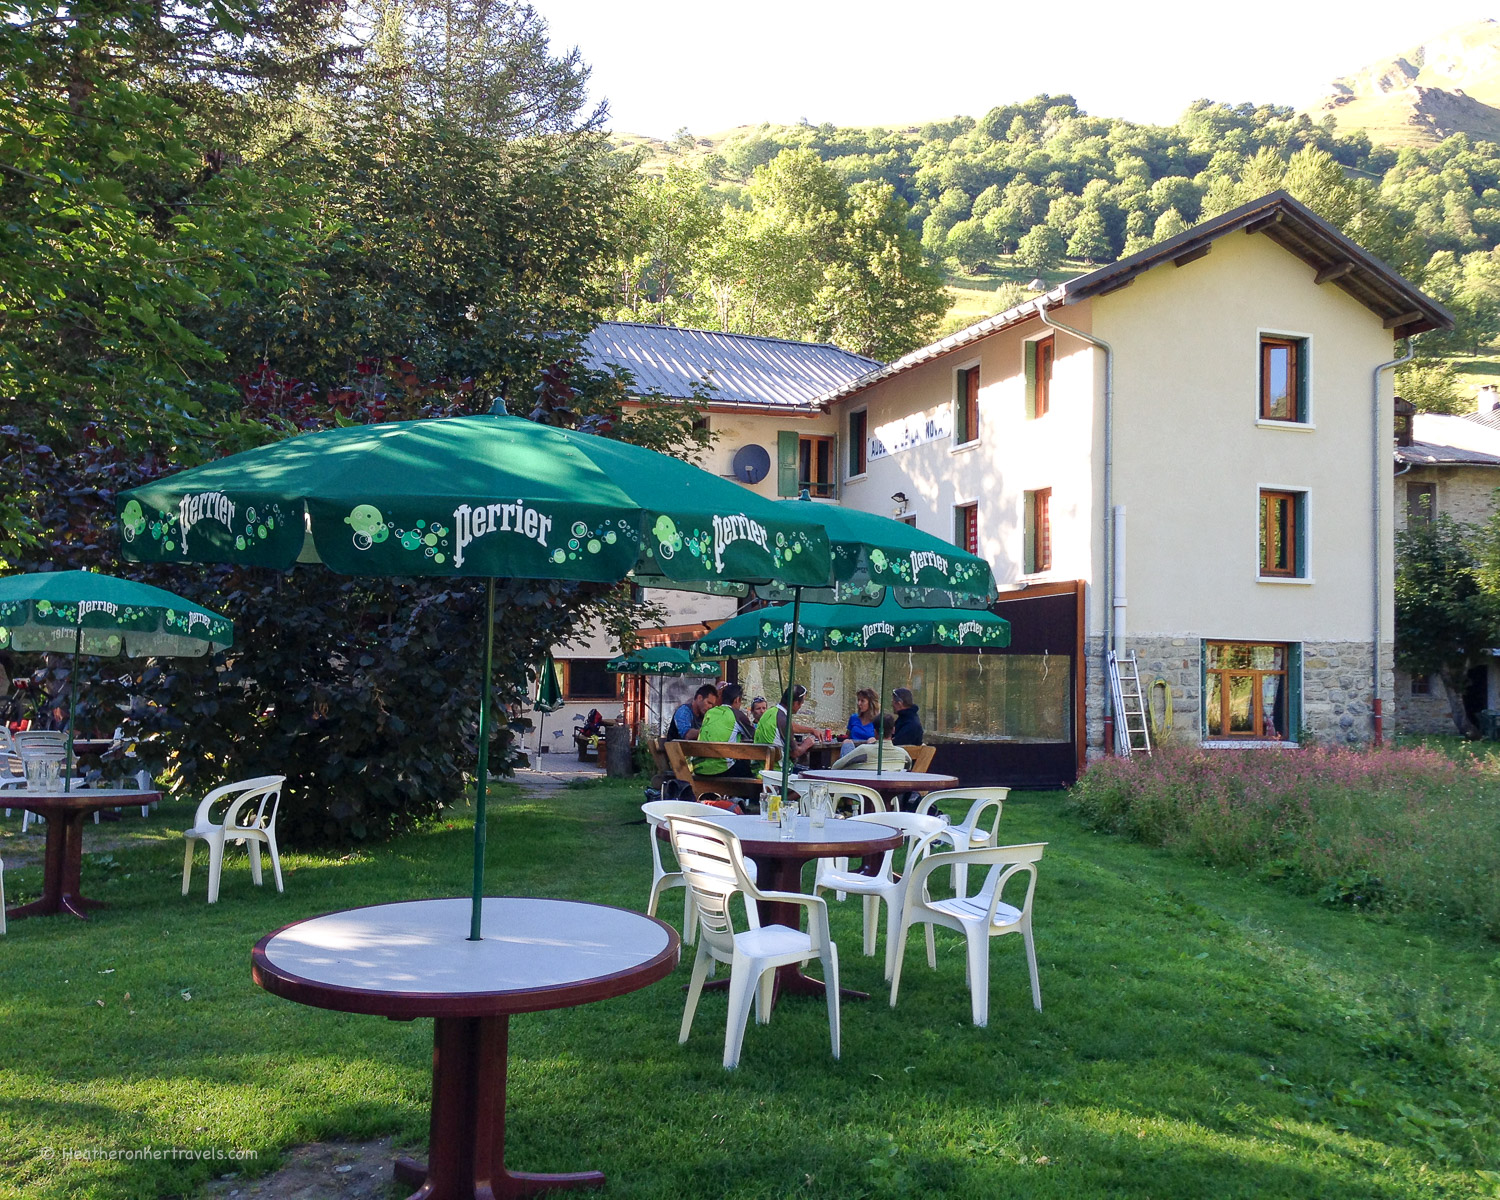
1131 720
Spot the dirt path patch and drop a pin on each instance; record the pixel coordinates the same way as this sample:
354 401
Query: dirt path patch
321 1171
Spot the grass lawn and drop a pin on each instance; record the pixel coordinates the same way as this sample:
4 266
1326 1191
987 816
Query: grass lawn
1203 1035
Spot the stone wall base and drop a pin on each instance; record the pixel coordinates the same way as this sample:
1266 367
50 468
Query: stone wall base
1335 690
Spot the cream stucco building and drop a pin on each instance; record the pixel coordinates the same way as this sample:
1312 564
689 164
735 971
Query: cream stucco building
1197 440
1185 454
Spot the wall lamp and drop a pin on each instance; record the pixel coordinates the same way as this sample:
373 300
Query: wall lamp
901 503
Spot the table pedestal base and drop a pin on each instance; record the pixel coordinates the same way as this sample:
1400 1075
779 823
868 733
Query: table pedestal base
466 1145
60 872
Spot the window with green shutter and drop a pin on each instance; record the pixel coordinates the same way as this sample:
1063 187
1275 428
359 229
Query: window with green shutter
788 455
966 406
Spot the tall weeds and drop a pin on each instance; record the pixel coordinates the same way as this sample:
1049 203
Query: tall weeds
1394 829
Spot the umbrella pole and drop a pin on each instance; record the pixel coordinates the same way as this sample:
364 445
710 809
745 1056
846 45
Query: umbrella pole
73 702
484 760
789 692
880 720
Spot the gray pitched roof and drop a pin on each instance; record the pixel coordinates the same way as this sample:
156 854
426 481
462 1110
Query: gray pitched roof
1428 454
1335 258
756 372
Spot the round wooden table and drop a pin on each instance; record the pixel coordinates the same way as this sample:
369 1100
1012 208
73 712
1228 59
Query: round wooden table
413 959
62 861
778 867
887 783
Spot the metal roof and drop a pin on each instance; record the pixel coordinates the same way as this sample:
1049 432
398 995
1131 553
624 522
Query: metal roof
741 370
1490 419
1335 259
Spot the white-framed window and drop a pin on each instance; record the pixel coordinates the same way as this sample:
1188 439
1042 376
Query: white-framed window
1251 690
859 443
1284 378
1283 534
966 404
1041 355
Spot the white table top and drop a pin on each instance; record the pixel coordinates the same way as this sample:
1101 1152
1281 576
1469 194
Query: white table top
834 831
914 778
421 947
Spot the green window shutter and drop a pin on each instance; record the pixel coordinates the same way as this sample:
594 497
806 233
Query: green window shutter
1030 380
1300 519
788 445
1294 690
960 408
1302 408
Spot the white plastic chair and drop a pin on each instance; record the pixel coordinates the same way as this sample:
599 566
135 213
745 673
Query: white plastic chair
714 868
979 917
834 875
867 799
657 812
979 823
264 794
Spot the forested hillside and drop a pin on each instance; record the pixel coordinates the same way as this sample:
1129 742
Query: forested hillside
1042 188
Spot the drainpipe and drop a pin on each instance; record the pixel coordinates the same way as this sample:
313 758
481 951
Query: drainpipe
1119 600
1111 547
1379 439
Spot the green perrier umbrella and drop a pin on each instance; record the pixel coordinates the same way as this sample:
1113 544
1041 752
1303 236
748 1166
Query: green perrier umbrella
847 627
80 612
661 661
548 697
877 560
872 553
490 496
548 689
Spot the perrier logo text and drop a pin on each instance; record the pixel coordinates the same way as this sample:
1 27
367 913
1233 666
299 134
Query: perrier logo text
470 523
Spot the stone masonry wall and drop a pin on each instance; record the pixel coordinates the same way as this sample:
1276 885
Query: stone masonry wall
1335 689
1422 714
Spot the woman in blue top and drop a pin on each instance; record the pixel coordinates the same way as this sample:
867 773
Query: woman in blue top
864 720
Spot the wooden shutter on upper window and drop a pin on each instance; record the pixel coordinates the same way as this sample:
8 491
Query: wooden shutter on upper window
971 403
1030 379
788 461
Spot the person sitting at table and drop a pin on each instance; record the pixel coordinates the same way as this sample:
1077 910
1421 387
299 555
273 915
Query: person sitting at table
771 728
723 724
884 752
758 708
863 720
688 718
908 718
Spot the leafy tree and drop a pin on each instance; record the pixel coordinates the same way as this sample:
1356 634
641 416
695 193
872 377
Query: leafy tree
668 222
880 297
1040 249
1168 225
1433 386
811 258
970 244
1090 240
1445 620
124 221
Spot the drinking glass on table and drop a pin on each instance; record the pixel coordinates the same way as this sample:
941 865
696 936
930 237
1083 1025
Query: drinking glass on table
817 806
788 820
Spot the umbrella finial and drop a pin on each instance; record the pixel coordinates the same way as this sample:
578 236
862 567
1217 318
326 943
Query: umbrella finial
498 408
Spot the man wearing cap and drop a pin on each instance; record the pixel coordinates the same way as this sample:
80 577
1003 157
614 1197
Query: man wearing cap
772 728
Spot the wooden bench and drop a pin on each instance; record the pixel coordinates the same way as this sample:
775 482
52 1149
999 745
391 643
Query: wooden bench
749 789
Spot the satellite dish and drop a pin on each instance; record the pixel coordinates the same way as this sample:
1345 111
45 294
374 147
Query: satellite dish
751 463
